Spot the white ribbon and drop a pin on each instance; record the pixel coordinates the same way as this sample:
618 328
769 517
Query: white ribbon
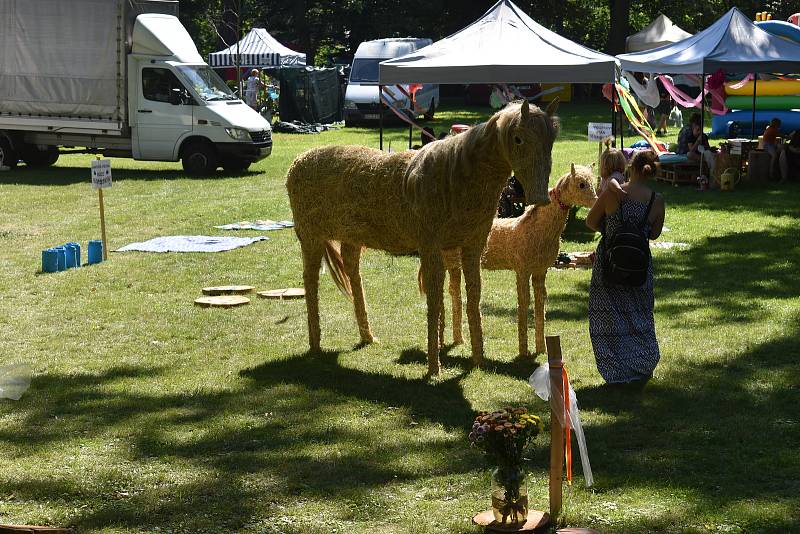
540 382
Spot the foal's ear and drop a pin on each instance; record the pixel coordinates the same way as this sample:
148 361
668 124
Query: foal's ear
572 169
525 108
552 107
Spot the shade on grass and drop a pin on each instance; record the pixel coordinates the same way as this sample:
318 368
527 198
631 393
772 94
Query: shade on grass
146 412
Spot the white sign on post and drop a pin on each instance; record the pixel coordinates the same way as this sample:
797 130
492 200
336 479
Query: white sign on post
599 130
101 174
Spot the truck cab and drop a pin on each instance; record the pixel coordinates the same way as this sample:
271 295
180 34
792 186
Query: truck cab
179 108
361 99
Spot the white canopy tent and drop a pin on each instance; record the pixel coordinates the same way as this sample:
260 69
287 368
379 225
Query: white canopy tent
661 32
504 46
733 43
257 49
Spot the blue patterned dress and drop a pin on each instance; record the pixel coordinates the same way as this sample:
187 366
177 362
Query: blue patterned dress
621 323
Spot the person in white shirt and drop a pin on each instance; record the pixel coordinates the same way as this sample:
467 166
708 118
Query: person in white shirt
254 83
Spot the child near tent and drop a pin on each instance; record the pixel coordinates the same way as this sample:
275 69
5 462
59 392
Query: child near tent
612 167
770 137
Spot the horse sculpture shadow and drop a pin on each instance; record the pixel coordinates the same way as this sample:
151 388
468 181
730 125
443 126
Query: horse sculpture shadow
441 197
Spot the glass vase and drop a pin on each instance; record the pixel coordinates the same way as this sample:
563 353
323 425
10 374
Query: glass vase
509 495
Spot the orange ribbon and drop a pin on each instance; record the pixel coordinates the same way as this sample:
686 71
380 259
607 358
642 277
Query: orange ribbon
568 454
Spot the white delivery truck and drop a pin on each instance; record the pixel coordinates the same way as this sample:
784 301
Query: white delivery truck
361 97
121 78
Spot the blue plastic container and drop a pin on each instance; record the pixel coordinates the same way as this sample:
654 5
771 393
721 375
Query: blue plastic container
62 258
76 249
49 260
95 254
69 256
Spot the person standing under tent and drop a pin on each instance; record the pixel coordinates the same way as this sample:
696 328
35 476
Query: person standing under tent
254 84
664 107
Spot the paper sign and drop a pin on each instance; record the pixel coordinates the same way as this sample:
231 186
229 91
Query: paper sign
101 174
599 130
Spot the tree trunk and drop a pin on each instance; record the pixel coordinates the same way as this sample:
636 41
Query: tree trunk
620 25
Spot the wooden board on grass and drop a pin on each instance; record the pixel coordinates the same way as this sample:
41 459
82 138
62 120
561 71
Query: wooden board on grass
283 294
30 529
227 290
222 301
536 520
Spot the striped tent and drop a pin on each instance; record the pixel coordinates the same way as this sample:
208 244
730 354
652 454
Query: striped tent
257 49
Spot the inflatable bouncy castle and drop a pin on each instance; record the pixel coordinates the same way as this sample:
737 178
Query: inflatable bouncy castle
776 97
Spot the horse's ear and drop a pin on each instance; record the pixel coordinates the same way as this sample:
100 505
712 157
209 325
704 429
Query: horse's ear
491 124
525 108
572 169
552 107
593 165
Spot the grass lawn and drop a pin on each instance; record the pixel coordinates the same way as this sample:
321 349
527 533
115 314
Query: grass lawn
149 414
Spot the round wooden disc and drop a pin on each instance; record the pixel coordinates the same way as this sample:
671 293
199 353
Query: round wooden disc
227 290
283 294
222 301
536 520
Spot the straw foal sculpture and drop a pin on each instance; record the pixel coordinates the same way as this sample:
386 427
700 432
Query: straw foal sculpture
441 197
527 245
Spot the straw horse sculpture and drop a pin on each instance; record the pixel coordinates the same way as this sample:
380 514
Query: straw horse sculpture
527 245
443 196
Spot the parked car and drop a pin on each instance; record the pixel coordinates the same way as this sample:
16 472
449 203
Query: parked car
361 101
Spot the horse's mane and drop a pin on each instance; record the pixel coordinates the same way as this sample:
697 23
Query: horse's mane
451 161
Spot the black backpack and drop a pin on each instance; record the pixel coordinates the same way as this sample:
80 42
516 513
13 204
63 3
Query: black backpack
628 252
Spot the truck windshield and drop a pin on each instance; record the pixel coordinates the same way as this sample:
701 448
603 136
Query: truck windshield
365 70
206 83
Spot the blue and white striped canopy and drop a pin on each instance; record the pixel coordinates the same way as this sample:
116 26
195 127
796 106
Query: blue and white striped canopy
257 49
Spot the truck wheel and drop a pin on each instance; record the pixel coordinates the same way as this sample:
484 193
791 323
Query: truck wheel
200 159
235 165
431 111
8 156
36 159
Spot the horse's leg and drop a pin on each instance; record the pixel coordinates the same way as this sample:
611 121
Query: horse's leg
471 263
312 258
540 299
455 297
523 303
351 255
442 320
433 277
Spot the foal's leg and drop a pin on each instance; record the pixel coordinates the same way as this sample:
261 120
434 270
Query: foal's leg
540 299
471 263
455 297
433 277
312 258
523 303
351 255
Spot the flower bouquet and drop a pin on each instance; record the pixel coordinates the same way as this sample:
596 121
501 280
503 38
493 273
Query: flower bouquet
504 436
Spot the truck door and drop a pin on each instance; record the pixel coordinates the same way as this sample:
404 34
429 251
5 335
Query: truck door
162 115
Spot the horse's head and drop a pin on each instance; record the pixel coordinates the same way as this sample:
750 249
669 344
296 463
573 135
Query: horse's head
526 135
575 187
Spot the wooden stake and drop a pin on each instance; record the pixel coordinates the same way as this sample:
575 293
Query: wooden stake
103 224
553 344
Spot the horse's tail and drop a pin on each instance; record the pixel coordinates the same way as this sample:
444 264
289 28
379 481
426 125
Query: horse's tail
333 258
420 282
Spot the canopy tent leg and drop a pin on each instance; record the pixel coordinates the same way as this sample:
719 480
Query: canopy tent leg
753 125
380 112
702 117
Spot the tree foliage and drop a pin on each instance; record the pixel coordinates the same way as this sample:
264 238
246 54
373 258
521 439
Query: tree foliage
323 29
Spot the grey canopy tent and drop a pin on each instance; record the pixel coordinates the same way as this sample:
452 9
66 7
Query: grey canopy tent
505 45
733 43
662 31
257 49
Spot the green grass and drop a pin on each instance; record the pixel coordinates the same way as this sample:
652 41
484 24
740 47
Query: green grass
149 414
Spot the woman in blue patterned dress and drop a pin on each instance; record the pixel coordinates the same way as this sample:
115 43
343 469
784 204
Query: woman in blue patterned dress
621 323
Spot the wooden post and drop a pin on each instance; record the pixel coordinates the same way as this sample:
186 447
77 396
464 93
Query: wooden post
553 344
103 222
